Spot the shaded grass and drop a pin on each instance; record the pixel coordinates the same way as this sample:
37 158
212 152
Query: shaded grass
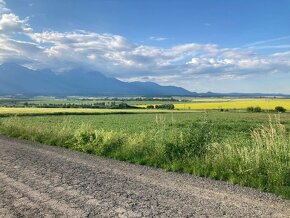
259 159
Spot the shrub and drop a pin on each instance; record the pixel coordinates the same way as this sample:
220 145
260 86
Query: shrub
254 109
280 109
257 109
165 106
150 107
250 109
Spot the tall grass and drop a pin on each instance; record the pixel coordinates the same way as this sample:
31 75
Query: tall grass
261 160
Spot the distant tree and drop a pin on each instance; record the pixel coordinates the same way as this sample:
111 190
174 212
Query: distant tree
165 106
150 107
254 109
123 105
250 109
257 109
280 109
169 106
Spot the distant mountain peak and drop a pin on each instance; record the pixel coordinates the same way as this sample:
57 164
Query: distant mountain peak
16 79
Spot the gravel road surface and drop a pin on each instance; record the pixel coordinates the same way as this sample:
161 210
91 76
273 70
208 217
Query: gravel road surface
44 181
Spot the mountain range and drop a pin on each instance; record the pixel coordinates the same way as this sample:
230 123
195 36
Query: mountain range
17 80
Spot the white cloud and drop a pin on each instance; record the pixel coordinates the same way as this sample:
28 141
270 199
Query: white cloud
114 55
157 38
10 23
267 41
3 8
274 43
282 54
286 46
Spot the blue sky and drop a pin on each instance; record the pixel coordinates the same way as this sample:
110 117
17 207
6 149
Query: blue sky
221 46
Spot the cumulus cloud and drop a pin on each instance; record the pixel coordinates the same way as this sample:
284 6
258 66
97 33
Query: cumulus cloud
3 8
10 23
115 56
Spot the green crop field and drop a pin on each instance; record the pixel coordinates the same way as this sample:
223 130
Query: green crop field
250 149
227 122
78 101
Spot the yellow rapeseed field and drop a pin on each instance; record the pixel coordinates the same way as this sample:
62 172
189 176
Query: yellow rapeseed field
266 104
207 104
31 111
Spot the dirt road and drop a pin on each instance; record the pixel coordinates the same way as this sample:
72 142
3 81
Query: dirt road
38 180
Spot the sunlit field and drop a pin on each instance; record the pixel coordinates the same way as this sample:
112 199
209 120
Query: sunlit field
6 111
265 104
250 149
197 137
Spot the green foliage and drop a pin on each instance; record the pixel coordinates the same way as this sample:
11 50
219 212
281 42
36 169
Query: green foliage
97 141
261 161
192 142
254 109
150 107
280 109
250 109
165 106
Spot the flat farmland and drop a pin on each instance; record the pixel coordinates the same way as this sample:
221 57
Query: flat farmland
250 149
123 120
220 103
8 111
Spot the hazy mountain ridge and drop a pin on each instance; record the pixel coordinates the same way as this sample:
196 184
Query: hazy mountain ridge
16 79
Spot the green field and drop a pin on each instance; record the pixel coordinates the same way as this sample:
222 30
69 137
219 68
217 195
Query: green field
18 102
227 123
250 149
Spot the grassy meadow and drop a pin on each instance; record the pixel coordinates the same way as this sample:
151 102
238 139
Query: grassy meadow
250 149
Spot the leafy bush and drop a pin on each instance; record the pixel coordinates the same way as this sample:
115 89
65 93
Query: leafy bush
254 109
150 107
250 109
280 109
165 106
